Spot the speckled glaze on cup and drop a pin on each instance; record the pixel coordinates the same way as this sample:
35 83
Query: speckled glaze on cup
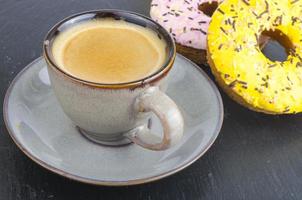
117 114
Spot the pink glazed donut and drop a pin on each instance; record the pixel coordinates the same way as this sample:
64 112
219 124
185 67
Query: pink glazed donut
187 21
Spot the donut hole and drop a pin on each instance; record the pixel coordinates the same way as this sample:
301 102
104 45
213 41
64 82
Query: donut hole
208 8
277 47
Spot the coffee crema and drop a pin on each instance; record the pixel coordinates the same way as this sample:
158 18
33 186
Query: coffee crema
109 51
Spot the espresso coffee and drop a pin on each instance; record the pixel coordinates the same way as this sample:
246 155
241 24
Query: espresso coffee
109 51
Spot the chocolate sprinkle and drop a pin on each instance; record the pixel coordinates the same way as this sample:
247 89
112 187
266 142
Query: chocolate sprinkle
294 20
265 11
255 14
259 90
299 64
265 84
221 11
278 21
273 65
202 22
295 1
242 82
199 29
223 31
246 2
286 109
233 25
292 52
238 49
232 84
290 81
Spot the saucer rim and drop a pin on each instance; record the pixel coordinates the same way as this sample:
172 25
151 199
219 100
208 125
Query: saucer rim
99 181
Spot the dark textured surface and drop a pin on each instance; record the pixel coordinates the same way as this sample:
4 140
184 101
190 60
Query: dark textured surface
255 157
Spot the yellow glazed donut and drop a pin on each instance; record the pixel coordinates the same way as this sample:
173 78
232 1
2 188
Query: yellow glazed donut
240 67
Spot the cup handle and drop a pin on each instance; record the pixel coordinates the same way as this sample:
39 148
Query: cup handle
153 100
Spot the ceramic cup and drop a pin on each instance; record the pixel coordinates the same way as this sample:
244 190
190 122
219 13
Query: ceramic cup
117 114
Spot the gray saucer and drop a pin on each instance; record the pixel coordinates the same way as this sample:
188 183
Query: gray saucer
42 131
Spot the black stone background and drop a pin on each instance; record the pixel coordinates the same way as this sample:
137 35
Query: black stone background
256 156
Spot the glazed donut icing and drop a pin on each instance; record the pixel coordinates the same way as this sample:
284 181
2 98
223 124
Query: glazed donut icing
183 19
241 68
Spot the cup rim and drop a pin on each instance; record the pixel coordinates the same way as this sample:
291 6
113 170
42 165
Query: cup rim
160 73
